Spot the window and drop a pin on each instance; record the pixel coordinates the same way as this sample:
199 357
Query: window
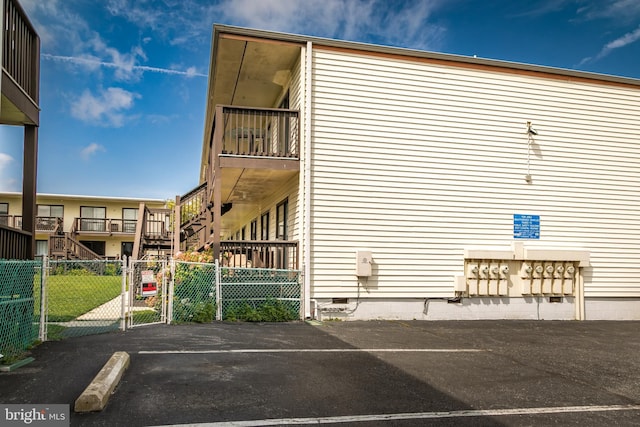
281 219
47 217
4 213
254 229
93 218
51 211
126 248
264 226
42 247
129 220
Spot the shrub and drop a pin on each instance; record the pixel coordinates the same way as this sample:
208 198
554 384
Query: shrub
193 299
271 310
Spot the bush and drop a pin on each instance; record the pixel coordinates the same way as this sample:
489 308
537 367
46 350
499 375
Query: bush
194 298
271 310
186 311
71 270
111 270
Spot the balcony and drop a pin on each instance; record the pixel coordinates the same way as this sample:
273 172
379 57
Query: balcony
19 106
104 226
252 149
44 224
278 254
254 138
20 67
14 243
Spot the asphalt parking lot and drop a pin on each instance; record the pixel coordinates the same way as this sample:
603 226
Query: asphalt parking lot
493 373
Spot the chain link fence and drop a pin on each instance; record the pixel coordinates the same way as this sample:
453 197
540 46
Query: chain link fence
259 294
194 292
56 299
19 307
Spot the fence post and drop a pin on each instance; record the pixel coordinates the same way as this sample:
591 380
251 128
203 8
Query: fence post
303 295
42 331
218 287
172 272
131 266
123 311
163 298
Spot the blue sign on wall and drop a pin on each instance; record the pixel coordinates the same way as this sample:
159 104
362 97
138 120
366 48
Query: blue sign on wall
526 226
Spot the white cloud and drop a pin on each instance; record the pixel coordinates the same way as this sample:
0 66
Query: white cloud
106 108
5 159
95 63
74 41
63 28
618 10
618 43
7 182
343 19
189 21
91 149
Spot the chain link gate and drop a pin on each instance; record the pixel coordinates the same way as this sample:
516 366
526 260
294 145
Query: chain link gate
147 302
194 292
81 297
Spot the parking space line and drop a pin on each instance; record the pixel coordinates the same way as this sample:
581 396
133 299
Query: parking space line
318 350
418 415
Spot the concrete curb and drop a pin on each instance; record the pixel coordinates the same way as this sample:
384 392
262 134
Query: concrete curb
95 396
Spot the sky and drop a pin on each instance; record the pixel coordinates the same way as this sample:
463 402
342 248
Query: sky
123 82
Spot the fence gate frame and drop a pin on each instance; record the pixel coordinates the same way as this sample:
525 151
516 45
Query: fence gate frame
135 268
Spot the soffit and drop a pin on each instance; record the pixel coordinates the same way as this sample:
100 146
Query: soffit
247 71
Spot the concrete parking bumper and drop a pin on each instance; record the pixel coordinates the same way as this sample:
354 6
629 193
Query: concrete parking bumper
96 395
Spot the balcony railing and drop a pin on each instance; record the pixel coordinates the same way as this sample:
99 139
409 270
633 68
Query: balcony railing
21 49
278 254
104 225
44 224
49 224
263 132
14 243
12 221
158 223
193 204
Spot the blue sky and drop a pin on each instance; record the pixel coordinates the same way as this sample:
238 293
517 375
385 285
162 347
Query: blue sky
123 82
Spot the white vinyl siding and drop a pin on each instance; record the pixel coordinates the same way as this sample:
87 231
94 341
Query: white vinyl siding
416 161
295 95
268 204
290 191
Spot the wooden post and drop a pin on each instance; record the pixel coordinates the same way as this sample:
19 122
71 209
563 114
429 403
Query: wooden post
177 221
217 181
29 179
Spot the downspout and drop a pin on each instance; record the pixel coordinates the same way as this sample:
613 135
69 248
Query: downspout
580 307
307 182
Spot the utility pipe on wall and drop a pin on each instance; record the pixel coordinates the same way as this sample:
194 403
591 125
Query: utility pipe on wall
307 181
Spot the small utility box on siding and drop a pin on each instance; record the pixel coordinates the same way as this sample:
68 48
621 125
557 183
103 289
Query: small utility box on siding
363 263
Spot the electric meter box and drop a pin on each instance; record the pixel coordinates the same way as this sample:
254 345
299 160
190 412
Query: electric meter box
363 263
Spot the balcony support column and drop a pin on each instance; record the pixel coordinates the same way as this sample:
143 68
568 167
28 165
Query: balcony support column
29 179
216 150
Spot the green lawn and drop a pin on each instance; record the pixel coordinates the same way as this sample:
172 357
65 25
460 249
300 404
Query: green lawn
72 296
